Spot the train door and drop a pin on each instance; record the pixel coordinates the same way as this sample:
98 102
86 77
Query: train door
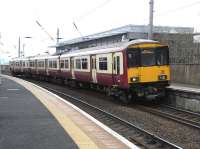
117 67
72 67
94 70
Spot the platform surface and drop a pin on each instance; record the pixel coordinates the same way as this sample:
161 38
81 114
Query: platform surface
33 118
26 124
185 87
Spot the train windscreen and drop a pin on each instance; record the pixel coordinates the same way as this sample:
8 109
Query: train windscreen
133 57
162 56
148 57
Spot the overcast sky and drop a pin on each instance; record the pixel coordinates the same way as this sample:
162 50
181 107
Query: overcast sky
18 18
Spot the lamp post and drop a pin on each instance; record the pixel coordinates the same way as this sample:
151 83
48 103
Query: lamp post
21 53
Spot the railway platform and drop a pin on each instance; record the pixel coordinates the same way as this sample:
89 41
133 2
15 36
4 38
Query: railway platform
184 96
185 87
34 118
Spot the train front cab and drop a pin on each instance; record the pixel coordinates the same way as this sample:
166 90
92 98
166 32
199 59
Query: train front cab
148 70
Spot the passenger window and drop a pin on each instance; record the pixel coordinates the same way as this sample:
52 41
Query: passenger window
78 63
54 64
103 63
66 64
50 64
84 63
62 64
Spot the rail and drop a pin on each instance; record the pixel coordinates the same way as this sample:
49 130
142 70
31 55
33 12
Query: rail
137 135
181 116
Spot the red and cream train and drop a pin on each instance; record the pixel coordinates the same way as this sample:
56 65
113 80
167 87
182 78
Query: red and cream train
138 68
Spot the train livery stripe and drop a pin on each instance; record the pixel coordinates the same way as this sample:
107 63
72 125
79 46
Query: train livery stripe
146 45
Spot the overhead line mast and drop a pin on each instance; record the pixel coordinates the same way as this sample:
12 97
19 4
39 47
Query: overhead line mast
151 7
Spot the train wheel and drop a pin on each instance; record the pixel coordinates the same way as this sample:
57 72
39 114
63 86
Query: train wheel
125 97
107 91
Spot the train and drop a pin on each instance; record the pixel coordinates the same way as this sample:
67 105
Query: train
128 70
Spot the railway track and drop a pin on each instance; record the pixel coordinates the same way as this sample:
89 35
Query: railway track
138 136
185 117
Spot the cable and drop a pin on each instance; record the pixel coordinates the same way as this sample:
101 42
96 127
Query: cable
92 10
77 29
37 22
88 13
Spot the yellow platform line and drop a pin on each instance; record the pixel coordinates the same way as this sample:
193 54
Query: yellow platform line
79 137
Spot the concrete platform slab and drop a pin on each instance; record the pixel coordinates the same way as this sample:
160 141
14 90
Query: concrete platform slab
84 131
26 124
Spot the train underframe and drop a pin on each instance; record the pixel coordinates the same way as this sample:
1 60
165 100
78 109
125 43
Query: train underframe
147 91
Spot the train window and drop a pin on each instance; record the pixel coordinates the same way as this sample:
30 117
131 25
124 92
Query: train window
50 64
54 64
133 56
162 56
84 63
148 57
67 63
103 63
41 64
78 63
61 63
33 64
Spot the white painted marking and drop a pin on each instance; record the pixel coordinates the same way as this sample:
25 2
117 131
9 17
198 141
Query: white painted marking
13 89
186 89
3 97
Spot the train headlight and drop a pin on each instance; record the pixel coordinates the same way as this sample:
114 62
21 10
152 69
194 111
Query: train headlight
162 77
135 79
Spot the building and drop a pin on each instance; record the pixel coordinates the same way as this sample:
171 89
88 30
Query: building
165 34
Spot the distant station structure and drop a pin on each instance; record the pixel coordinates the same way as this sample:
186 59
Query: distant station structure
164 34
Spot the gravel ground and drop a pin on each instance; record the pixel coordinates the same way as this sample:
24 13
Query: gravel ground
174 132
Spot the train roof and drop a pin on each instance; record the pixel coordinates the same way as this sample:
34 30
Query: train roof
110 48
20 59
89 51
39 57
